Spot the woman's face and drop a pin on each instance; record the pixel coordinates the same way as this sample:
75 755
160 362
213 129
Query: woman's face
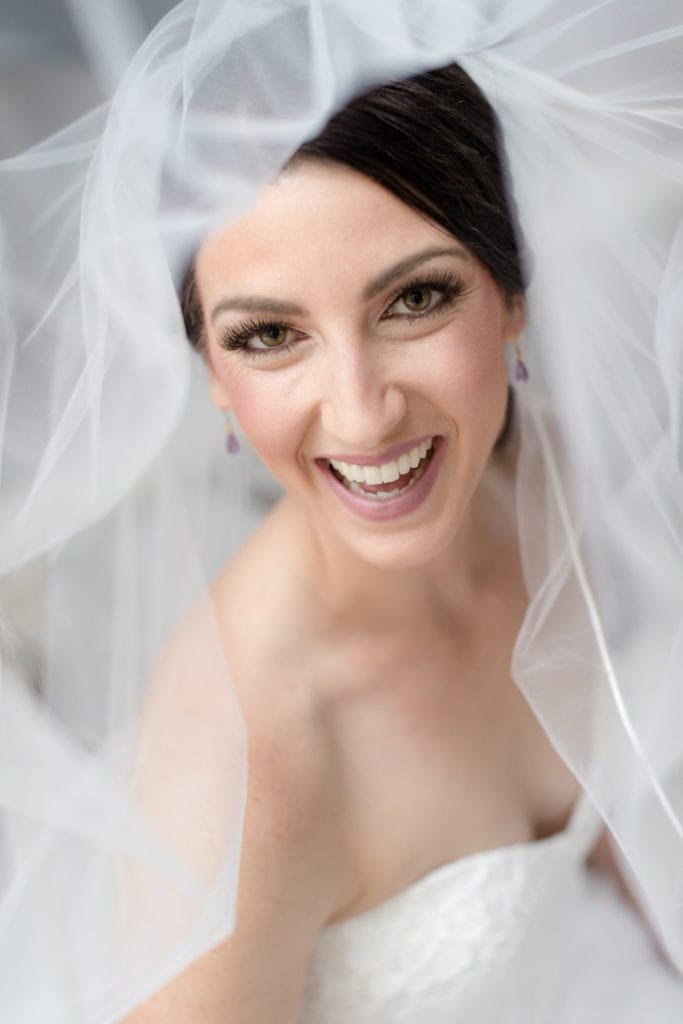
360 347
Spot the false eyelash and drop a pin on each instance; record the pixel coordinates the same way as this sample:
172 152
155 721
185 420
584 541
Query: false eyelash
450 285
235 338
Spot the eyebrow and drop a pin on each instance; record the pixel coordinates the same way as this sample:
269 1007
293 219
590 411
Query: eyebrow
276 307
256 304
391 274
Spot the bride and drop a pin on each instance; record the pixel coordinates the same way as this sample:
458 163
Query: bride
355 323
436 637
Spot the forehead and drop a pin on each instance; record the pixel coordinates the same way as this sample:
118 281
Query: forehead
322 219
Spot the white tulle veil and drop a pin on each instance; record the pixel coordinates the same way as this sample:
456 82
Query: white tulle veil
117 503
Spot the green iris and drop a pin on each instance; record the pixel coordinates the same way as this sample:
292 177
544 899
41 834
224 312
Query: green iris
273 335
417 299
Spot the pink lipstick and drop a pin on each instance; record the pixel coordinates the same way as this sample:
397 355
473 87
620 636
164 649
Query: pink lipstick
389 486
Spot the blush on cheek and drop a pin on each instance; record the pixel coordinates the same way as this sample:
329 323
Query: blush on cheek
269 422
469 360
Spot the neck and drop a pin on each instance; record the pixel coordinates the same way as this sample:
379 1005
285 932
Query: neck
446 584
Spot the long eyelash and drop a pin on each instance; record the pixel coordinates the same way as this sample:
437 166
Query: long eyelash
236 338
450 285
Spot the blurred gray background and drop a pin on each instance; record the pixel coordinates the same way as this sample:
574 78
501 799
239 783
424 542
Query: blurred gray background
53 65
58 60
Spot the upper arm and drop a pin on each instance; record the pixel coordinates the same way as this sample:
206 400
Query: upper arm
289 885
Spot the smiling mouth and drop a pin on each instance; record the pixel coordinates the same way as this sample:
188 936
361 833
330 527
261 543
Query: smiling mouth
381 483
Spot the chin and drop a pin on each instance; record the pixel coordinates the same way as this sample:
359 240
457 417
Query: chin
406 548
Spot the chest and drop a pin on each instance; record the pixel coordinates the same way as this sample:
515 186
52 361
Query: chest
440 755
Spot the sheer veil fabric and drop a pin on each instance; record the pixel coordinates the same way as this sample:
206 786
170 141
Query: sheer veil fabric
117 866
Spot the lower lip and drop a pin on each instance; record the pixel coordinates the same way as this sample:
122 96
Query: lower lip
390 508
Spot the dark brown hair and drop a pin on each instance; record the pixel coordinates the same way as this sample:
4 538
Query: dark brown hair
433 141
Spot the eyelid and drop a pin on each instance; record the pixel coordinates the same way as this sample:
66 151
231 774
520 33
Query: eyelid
450 285
234 338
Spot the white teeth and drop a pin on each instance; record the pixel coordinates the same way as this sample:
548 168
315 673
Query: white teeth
380 495
350 472
384 495
372 474
388 472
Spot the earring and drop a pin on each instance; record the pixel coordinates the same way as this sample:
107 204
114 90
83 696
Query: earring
232 444
521 372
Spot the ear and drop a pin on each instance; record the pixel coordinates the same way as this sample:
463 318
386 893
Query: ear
217 391
196 328
515 316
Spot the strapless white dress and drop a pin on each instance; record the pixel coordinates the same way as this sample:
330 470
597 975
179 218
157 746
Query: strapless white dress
522 934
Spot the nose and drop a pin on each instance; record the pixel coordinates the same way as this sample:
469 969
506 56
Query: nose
361 405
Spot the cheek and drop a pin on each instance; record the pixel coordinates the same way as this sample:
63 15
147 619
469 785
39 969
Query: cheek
267 411
466 364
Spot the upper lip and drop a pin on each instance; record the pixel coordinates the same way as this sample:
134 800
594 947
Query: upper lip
389 455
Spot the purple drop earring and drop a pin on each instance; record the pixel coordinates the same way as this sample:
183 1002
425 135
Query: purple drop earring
521 372
232 444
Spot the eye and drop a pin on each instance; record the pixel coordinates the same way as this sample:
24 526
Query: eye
271 336
258 336
416 299
421 298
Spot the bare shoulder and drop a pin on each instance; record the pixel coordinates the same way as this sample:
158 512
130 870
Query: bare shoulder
241 658
271 633
244 663
261 594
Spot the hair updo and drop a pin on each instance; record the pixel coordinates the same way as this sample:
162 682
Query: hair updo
433 141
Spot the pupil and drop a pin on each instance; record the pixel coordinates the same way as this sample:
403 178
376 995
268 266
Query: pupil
418 298
272 335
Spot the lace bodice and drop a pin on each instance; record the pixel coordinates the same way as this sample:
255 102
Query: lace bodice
488 939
